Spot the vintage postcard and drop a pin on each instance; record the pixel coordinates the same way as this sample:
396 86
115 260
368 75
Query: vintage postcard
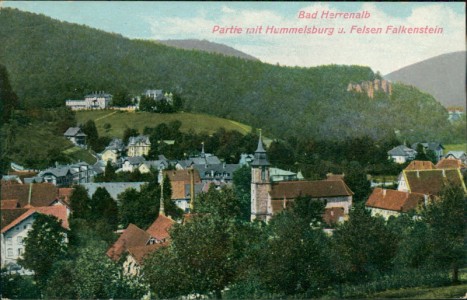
240 150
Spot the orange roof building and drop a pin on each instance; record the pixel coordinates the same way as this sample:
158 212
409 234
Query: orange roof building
388 203
16 224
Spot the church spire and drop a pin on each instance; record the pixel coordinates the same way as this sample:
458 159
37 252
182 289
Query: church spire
261 158
161 205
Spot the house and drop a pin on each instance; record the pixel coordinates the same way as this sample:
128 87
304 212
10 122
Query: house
161 164
113 151
461 155
113 188
30 195
269 198
436 147
15 227
76 136
159 230
246 159
386 203
154 94
138 146
449 163
136 256
216 172
180 181
420 165
65 175
401 154
429 182
277 174
138 243
131 163
95 100
334 216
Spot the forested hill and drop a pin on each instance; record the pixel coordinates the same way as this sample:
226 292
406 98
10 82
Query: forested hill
49 61
207 46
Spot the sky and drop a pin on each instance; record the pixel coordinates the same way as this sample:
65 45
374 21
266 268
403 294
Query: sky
383 52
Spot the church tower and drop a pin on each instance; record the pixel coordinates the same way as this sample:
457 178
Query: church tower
260 184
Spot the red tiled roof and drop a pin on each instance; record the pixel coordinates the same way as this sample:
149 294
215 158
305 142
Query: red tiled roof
449 163
133 236
432 181
9 204
420 165
394 200
42 194
315 189
9 215
58 211
160 228
139 252
178 190
182 175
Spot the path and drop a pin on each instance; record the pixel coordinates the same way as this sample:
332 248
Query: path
107 115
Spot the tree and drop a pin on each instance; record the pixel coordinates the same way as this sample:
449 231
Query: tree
203 258
104 208
242 191
146 104
8 98
129 132
92 136
121 98
80 203
363 245
222 203
295 256
140 208
446 221
356 179
44 245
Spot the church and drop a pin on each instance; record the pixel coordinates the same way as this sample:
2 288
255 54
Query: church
269 198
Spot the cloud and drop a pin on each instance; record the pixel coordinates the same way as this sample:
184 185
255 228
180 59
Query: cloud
383 52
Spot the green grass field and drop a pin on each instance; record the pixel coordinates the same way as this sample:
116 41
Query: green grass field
119 121
455 147
445 292
79 154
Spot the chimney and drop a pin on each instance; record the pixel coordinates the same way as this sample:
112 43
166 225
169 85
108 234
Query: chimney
444 173
384 192
418 174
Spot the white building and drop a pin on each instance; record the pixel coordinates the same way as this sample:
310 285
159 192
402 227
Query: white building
96 100
13 233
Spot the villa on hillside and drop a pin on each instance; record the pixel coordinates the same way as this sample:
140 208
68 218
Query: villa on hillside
96 100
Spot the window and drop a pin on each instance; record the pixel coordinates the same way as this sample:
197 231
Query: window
20 251
9 240
19 240
25 226
10 252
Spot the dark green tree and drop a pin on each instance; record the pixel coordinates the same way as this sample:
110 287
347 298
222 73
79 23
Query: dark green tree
104 208
356 178
362 246
129 132
80 203
121 98
92 136
242 191
147 104
140 208
8 99
44 245
446 220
